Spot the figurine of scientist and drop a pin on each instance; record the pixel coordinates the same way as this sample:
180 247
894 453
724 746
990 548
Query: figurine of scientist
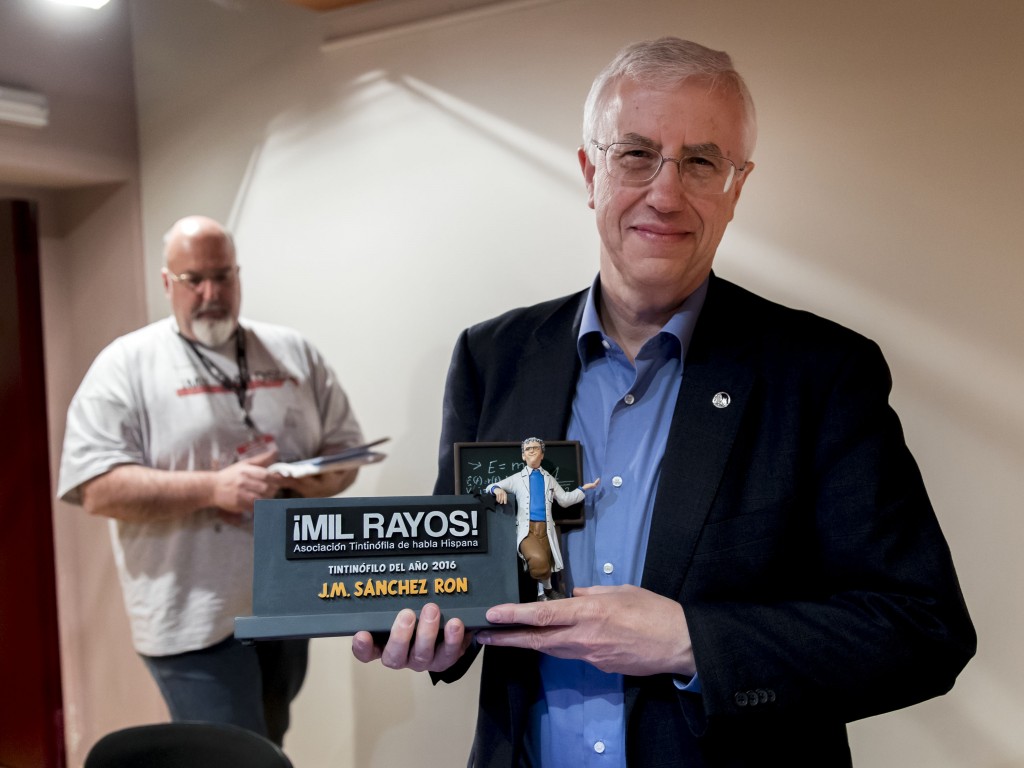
536 536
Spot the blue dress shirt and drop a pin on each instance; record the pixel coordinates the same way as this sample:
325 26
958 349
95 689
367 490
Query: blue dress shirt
621 415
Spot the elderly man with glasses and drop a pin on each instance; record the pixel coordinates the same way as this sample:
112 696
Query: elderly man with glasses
170 436
761 564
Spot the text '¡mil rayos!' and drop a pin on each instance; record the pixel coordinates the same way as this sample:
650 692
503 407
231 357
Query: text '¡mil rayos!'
361 531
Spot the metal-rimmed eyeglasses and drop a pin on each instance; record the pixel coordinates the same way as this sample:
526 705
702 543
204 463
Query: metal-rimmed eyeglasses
194 280
700 173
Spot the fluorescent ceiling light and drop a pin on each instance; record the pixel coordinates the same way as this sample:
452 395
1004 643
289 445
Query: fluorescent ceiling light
94 4
23 107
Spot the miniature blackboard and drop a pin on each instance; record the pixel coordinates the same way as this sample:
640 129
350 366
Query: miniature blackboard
477 465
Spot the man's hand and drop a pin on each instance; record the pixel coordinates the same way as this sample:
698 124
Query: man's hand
319 486
414 644
236 487
626 630
500 496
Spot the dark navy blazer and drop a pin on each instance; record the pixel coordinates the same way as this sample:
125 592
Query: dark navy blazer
792 525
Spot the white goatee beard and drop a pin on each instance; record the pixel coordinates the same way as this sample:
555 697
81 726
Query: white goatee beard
213 333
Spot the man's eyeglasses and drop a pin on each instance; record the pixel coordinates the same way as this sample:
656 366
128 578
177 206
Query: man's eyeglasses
194 280
700 174
532 449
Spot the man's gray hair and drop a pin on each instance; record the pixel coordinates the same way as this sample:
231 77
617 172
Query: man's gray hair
536 440
663 64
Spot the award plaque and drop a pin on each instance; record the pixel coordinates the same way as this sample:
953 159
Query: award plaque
336 566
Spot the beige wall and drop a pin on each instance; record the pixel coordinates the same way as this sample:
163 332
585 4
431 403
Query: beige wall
387 194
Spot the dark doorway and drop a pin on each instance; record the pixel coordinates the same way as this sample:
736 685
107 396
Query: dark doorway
31 711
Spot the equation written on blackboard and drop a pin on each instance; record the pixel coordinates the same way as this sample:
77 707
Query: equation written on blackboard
482 474
477 465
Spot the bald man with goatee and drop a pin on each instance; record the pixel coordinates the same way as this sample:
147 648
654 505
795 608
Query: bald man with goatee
170 437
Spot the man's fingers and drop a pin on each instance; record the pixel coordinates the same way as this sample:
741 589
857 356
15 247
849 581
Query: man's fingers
549 627
542 614
456 642
597 589
396 652
421 656
263 459
419 645
363 647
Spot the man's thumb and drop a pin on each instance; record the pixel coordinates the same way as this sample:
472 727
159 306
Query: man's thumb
263 459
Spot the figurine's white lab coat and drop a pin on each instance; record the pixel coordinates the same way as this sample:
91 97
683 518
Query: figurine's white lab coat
518 485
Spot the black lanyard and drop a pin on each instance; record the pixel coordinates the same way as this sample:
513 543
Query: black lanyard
240 386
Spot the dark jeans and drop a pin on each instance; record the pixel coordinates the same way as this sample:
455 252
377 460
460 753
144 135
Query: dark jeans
251 686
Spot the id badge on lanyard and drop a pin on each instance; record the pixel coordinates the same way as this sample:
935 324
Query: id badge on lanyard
259 442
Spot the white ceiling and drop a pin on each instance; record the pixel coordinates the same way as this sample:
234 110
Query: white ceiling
368 18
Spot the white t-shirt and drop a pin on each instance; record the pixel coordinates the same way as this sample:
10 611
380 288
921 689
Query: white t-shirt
148 400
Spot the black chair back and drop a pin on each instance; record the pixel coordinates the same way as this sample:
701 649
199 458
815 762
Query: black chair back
185 745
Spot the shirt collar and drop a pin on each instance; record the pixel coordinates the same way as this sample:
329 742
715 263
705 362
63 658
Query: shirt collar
680 325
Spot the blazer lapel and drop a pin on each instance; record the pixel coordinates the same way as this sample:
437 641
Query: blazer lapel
717 384
547 372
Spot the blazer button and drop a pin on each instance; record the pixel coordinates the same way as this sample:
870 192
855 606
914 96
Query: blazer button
771 694
762 696
741 699
752 698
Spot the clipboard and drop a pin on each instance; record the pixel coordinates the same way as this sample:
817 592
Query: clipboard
355 456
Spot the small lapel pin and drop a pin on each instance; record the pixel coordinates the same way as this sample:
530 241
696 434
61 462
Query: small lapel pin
721 400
